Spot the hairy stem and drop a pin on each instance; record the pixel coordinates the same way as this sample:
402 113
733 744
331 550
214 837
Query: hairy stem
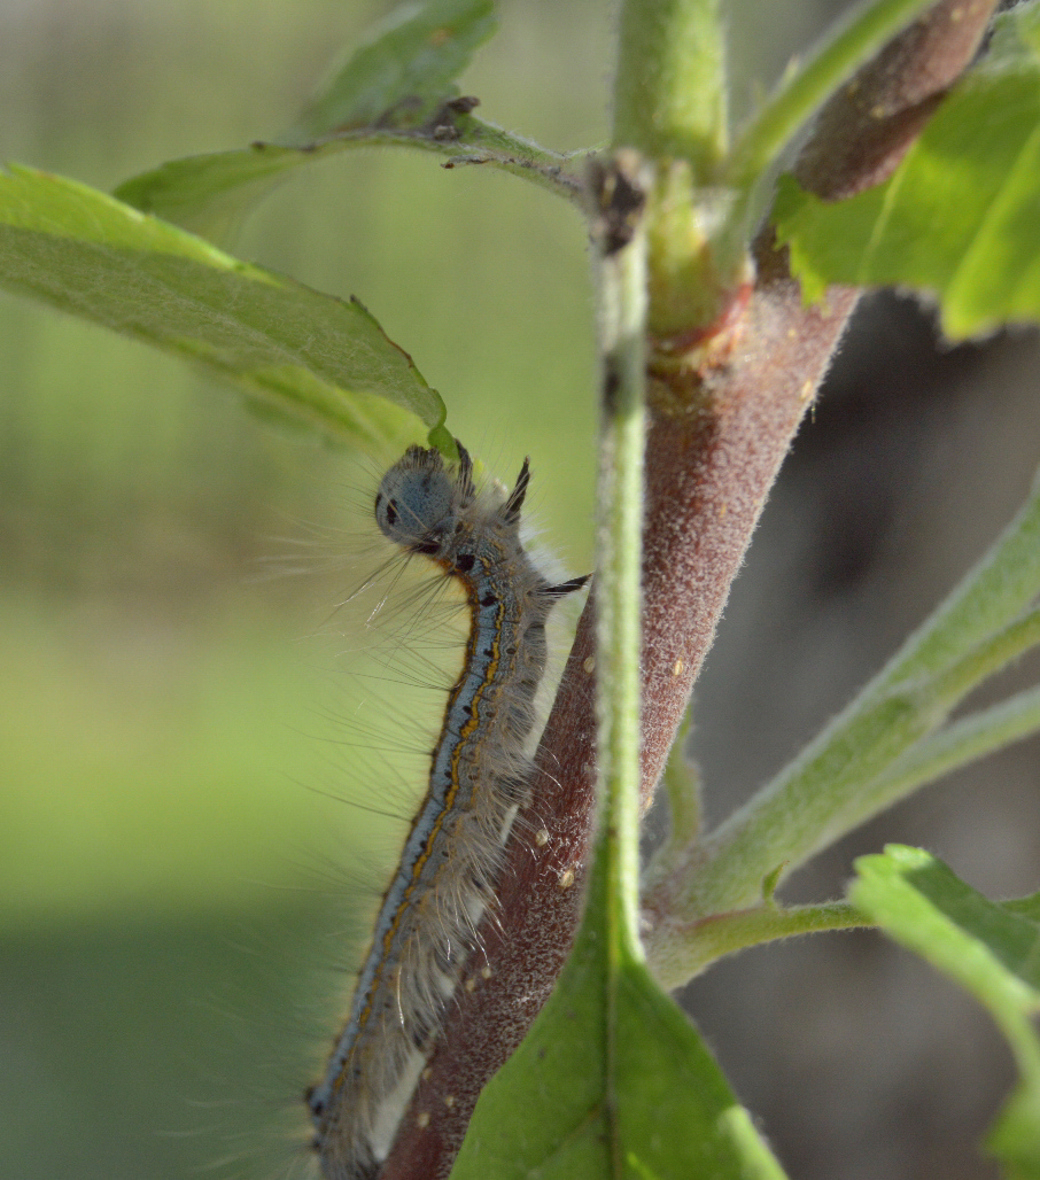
672 949
623 301
670 89
868 125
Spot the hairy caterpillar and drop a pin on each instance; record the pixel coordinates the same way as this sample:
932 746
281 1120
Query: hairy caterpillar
479 771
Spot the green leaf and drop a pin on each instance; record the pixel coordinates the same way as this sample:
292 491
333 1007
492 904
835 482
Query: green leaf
402 72
990 950
960 218
1029 906
211 194
315 358
397 88
399 79
612 1081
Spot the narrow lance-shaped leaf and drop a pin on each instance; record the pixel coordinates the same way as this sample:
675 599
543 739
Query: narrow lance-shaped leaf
960 218
397 87
302 354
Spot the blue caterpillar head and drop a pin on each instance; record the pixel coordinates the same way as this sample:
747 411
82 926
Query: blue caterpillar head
419 499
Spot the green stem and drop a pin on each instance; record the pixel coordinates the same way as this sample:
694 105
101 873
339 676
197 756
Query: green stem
804 808
676 953
827 790
964 741
994 653
1021 1036
485 143
623 302
682 781
1000 587
670 88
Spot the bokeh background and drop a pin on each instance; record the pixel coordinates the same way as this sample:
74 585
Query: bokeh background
175 888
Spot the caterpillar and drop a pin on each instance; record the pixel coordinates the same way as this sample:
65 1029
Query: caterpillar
479 771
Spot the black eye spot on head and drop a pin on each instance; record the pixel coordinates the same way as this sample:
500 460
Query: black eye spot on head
391 512
465 562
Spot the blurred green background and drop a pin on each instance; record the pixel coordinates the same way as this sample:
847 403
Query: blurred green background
177 895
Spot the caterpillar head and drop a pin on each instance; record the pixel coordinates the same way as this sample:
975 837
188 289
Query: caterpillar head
419 499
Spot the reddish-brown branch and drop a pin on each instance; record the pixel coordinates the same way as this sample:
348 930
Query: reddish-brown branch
717 437
713 451
864 131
